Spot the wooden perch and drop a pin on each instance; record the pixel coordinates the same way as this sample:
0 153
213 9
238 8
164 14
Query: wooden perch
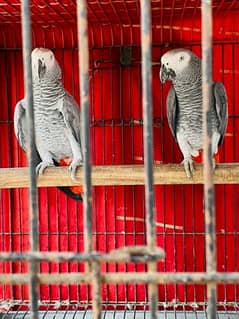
119 175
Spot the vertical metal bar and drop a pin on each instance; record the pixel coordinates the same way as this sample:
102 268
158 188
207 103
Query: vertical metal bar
31 153
96 286
84 97
146 42
10 192
207 153
84 101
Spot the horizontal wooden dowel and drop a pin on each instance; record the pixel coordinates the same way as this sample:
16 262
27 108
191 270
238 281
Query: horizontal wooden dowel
119 175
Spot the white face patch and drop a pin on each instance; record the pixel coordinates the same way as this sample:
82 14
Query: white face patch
177 60
46 57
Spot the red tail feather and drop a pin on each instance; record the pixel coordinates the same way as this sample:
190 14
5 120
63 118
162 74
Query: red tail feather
75 189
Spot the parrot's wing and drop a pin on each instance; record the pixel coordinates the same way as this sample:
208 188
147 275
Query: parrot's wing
71 115
20 125
221 108
172 106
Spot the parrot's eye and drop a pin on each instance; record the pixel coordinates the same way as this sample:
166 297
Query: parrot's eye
167 63
181 58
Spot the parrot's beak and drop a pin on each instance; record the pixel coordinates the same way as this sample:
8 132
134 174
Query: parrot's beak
166 74
41 69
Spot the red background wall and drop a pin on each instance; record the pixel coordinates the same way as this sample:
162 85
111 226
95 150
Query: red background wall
116 138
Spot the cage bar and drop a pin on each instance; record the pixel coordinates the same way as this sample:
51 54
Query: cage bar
84 96
146 43
129 277
82 26
210 236
127 254
31 152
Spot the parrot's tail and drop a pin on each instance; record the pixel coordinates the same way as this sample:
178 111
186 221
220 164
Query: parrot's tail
75 192
68 190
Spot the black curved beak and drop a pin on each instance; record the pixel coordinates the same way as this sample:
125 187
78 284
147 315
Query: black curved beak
41 69
166 74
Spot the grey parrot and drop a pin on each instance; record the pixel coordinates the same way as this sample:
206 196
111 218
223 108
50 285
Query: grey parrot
184 105
57 119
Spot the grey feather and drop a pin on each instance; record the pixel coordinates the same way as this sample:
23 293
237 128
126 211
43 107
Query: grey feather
221 108
71 115
172 106
20 127
20 124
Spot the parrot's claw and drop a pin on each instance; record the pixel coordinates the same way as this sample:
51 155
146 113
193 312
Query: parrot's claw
189 167
73 168
42 166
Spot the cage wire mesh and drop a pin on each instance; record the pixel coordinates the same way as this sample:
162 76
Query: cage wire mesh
116 130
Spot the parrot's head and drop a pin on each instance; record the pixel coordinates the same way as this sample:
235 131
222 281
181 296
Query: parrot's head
44 65
175 63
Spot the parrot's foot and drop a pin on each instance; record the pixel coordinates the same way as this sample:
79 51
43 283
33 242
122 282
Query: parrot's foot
42 166
189 167
72 168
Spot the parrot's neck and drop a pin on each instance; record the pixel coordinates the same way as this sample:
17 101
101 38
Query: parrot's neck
47 93
189 92
187 85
